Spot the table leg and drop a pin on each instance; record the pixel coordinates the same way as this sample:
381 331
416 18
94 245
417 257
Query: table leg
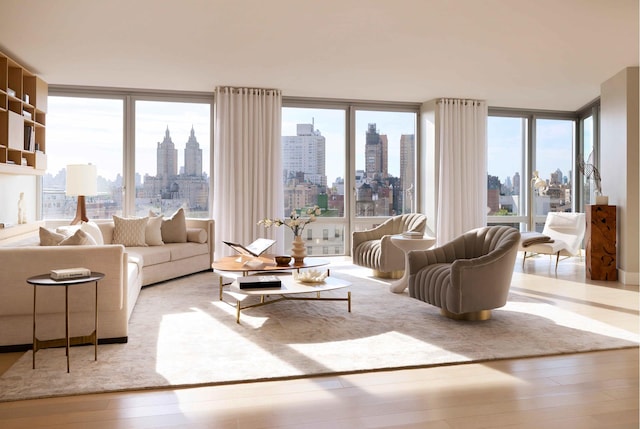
66 322
349 301
95 330
35 344
401 284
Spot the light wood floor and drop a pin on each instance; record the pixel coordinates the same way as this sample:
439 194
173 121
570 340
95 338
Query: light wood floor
588 390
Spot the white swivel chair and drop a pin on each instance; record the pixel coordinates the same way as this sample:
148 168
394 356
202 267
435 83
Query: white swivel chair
565 231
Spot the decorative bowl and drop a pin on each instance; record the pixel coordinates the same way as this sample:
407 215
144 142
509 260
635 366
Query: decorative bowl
282 261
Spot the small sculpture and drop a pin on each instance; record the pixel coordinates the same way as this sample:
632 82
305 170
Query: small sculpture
22 214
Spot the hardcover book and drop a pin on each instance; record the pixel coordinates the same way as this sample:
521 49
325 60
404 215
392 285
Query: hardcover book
259 282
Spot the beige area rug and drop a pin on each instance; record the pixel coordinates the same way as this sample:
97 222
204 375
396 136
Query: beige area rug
182 335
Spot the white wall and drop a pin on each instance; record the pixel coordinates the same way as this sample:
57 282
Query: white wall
619 163
10 188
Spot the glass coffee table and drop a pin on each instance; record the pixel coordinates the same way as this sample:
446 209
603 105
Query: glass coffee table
262 264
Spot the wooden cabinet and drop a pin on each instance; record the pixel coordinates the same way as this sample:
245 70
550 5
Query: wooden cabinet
600 239
23 110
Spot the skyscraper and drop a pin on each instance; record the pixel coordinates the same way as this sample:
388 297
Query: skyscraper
305 153
167 160
192 156
376 153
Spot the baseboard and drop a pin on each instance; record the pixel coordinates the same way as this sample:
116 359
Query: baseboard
25 347
628 278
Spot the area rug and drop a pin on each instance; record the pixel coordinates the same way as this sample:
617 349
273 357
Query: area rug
181 335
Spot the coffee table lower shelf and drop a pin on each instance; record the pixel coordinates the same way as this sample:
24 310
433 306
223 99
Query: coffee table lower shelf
289 287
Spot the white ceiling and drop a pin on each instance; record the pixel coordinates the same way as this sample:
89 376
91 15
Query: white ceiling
539 54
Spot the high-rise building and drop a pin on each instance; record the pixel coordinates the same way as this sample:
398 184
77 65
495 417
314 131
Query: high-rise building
167 160
305 153
192 156
376 154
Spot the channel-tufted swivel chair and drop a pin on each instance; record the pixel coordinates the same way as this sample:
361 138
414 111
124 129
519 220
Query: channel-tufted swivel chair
468 276
373 248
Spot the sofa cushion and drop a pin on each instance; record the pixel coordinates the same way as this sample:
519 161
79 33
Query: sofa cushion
151 255
129 231
188 250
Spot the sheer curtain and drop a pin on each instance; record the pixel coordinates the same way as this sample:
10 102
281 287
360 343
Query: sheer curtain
247 159
462 185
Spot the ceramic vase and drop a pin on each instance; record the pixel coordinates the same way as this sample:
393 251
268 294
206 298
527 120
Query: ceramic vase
298 250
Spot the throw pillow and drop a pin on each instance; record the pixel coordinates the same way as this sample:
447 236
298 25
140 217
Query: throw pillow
153 233
78 238
174 229
93 230
196 235
129 232
67 231
50 238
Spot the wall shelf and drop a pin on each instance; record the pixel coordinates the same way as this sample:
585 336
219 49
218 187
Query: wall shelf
23 110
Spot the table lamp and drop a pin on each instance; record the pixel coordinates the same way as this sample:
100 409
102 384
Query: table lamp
81 181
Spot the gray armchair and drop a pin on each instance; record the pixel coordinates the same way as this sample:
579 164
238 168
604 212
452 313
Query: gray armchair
373 248
468 276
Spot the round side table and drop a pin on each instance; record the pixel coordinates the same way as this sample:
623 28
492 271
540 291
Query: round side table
45 280
407 244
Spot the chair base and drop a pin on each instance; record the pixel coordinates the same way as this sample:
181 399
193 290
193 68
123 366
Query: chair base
388 274
471 316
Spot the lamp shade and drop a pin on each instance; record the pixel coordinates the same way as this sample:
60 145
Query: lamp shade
81 180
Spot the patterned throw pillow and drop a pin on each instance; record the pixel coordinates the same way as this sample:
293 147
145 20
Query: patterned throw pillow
129 232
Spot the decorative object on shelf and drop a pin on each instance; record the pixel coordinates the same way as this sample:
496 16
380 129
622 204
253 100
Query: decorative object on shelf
22 214
310 276
296 224
81 181
298 250
591 172
283 260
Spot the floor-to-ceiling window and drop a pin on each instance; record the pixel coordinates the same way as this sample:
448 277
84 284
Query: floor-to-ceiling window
313 163
172 141
84 130
357 162
531 166
554 161
168 135
506 184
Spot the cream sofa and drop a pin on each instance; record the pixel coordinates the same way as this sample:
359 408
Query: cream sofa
127 270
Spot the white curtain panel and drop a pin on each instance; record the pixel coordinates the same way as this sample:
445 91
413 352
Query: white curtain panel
247 159
462 189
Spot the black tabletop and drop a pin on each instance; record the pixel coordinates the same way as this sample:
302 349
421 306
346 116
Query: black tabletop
46 280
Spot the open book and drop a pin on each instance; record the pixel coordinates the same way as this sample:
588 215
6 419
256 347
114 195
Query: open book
256 248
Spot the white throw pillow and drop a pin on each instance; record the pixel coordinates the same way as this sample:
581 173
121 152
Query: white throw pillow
129 232
93 230
153 231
